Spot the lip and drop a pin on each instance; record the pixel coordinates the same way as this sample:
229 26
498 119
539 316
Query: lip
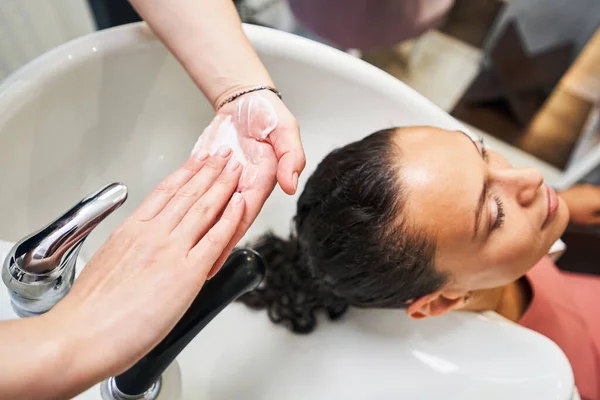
552 199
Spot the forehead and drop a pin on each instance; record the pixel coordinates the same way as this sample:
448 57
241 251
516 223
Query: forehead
443 173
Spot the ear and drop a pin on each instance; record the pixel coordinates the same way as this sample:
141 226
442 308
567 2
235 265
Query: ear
436 304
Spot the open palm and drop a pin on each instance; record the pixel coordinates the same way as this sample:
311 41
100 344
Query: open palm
264 137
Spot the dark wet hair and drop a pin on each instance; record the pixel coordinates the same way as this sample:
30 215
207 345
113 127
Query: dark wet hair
351 245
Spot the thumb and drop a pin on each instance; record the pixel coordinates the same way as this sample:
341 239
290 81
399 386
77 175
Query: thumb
290 156
593 220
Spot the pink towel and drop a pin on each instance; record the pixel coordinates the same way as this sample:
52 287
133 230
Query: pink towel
564 308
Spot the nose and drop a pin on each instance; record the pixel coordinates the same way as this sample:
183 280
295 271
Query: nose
523 183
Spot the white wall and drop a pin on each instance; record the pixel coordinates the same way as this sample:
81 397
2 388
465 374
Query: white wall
546 23
29 28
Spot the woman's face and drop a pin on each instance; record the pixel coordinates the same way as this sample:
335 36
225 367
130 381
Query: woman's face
491 222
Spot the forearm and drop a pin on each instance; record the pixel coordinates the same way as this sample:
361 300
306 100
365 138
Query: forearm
36 363
206 37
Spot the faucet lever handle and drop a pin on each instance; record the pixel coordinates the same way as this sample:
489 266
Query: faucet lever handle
46 249
40 268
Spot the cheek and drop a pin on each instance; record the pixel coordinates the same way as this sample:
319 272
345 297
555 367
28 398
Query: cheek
517 247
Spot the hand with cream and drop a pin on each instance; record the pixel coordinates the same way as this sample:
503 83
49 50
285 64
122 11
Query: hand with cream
244 126
265 139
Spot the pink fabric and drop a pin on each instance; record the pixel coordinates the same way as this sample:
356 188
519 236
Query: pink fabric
565 308
365 24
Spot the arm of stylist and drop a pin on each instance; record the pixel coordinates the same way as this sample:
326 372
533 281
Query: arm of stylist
153 264
95 331
206 37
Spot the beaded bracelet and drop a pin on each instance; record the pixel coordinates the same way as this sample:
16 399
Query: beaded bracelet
243 92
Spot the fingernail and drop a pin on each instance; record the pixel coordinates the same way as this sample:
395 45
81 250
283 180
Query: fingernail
236 199
201 155
223 151
295 180
232 165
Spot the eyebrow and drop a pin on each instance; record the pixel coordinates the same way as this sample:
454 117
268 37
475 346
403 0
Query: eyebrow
479 209
484 194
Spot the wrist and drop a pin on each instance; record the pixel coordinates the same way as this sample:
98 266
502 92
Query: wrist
233 90
76 353
222 78
237 95
62 350
41 366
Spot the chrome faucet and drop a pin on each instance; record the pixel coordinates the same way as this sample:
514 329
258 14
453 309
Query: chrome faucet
40 269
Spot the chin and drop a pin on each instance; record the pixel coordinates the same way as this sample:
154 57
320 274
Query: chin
561 220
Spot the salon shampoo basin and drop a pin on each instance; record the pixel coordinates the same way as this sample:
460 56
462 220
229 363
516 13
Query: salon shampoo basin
115 106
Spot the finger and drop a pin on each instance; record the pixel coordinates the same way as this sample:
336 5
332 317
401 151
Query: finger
290 156
180 204
212 246
161 194
287 171
228 249
204 212
254 199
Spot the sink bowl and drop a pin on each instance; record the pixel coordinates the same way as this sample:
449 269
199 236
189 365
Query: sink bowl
116 106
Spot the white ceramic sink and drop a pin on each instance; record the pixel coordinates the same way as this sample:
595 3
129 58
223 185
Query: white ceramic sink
115 106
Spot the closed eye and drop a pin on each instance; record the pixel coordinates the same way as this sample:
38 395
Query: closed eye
500 214
500 206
